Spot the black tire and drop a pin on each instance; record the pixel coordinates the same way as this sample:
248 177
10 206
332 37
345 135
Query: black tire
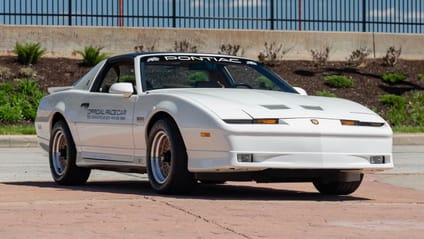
167 159
62 157
337 187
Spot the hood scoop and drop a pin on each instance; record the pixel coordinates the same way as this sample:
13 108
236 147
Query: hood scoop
311 107
276 107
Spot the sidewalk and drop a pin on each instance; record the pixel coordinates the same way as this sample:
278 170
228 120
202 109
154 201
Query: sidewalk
25 141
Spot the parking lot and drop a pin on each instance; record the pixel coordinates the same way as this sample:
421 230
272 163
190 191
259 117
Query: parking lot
115 205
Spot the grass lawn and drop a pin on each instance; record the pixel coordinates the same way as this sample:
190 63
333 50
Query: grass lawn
26 129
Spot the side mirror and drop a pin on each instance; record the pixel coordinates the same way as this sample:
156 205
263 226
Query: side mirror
122 88
301 91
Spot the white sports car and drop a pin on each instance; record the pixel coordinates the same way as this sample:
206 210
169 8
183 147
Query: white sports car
191 118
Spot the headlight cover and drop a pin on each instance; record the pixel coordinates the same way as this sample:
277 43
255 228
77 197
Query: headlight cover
360 123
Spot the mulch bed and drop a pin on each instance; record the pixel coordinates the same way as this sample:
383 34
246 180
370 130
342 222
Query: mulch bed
50 71
368 86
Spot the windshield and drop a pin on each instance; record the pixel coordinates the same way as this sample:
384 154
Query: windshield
208 72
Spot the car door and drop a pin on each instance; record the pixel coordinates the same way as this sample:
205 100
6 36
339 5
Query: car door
105 128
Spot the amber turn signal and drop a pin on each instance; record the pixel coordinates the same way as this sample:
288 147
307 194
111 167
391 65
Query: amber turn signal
266 121
348 122
205 134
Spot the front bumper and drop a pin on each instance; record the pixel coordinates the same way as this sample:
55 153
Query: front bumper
329 146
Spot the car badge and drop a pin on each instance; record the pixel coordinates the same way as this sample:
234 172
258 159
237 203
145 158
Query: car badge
315 121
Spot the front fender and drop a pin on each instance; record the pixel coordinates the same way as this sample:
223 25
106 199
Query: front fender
192 119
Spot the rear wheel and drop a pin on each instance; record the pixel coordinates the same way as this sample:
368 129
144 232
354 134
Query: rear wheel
333 187
62 157
167 159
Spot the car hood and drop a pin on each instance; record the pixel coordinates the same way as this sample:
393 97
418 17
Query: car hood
249 103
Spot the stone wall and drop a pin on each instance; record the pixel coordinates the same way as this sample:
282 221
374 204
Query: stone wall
63 41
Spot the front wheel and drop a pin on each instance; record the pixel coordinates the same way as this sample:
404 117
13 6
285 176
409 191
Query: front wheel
62 157
167 159
337 187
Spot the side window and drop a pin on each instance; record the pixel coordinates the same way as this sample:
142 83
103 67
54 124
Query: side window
117 72
110 78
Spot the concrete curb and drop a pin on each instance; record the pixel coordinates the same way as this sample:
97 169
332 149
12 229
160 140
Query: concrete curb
18 141
408 139
26 141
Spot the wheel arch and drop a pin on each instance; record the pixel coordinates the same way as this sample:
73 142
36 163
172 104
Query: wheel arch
155 118
57 117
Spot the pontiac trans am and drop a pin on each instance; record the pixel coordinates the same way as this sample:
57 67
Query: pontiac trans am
203 118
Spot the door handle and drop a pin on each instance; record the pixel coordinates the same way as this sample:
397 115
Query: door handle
85 105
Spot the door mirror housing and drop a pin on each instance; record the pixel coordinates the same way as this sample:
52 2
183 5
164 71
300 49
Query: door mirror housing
122 88
301 91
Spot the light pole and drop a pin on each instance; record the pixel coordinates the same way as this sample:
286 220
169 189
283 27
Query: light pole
300 15
121 12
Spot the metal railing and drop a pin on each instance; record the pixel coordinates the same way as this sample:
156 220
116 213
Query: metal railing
396 16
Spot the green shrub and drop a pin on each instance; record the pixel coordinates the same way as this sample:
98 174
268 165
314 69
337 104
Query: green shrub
6 87
29 88
4 98
19 101
325 93
420 76
10 114
416 109
338 81
29 53
397 108
92 55
29 96
28 108
394 77
405 111
393 100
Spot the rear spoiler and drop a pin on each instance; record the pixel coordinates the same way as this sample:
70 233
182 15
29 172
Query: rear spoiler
52 90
